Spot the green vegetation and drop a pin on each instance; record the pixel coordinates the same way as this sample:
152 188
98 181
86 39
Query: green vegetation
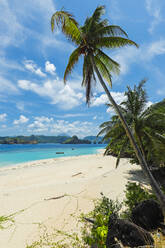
75 140
6 221
147 124
35 139
94 234
90 39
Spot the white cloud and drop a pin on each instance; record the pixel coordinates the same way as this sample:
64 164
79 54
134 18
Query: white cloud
65 96
23 119
56 127
78 128
43 119
31 66
128 56
153 7
3 117
9 25
102 99
40 124
7 86
156 48
71 115
50 68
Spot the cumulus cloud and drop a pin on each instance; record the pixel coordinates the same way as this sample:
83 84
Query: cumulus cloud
65 96
56 127
102 99
50 68
31 66
22 119
40 124
3 117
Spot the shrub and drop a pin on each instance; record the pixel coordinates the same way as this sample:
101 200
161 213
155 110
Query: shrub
96 234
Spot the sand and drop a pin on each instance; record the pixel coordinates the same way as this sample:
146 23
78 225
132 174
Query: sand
50 191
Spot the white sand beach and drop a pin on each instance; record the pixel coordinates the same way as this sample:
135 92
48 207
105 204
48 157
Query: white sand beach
75 180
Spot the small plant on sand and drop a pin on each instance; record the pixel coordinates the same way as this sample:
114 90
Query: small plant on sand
6 221
96 232
58 239
135 193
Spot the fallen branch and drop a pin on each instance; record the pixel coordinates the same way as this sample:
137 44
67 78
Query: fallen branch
77 174
54 198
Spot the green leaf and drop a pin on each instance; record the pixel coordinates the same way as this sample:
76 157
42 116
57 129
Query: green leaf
113 42
73 59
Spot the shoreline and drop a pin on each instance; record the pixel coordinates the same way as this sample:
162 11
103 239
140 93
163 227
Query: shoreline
52 193
42 162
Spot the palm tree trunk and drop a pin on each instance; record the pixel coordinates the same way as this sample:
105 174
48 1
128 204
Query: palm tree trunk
141 145
159 194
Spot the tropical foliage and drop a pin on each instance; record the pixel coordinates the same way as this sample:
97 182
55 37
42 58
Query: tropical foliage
90 39
147 124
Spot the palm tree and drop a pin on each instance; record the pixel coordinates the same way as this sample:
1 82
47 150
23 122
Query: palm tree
90 40
147 125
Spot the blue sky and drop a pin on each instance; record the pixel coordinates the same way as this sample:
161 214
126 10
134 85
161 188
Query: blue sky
33 98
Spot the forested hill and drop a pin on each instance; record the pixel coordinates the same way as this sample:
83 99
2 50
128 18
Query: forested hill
33 139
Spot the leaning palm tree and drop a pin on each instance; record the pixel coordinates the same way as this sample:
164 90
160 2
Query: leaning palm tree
91 39
147 125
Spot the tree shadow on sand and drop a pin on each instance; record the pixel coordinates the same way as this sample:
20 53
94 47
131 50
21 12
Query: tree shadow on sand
136 175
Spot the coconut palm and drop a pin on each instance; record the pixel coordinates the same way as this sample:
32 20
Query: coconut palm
147 125
90 39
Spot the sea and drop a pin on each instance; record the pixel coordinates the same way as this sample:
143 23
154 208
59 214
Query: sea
20 153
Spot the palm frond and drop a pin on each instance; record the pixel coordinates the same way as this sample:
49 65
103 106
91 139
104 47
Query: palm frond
73 59
113 42
111 30
99 11
68 25
103 70
111 65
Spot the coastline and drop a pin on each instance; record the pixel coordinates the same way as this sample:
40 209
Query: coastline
42 162
49 192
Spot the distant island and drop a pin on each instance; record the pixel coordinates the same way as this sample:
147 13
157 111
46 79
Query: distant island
76 140
35 139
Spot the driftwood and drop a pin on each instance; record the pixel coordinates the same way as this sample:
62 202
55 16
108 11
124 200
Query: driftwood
148 215
79 173
55 198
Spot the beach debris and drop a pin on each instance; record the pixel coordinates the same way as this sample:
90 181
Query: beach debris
55 198
148 215
89 220
79 173
126 232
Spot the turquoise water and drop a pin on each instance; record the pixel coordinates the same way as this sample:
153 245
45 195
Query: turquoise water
14 154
